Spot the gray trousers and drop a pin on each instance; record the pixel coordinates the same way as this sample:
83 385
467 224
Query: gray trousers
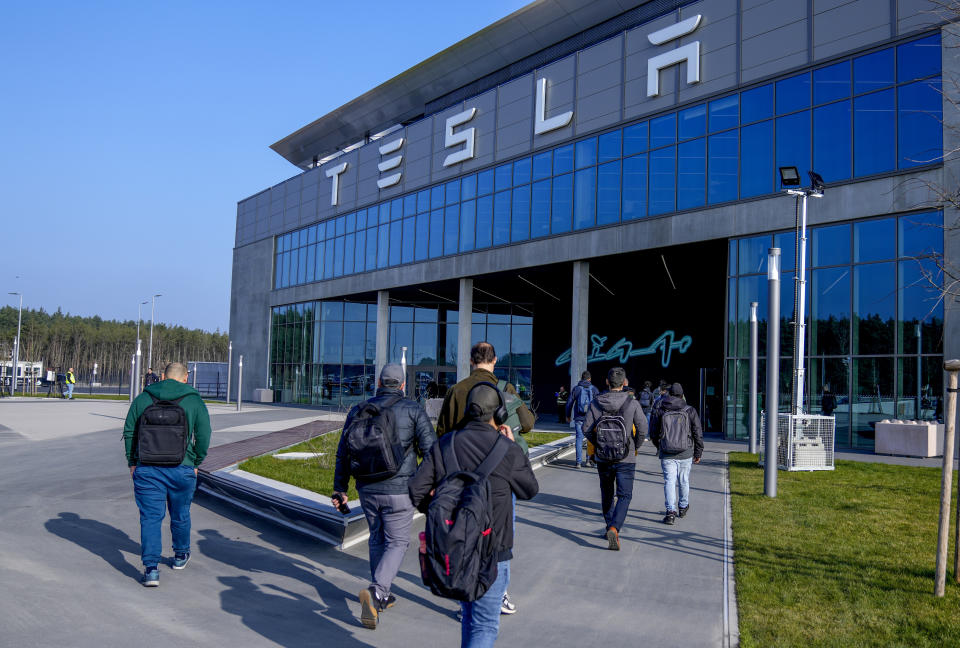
389 518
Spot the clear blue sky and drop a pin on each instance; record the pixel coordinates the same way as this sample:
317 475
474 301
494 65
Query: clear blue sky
130 130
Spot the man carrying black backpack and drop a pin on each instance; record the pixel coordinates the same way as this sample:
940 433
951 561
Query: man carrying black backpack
577 406
616 426
166 436
379 446
676 432
460 455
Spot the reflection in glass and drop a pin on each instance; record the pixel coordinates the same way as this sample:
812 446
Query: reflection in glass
756 104
635 138
874 301
520 222
540 210
874 240
423 237
562 211
793 141
919 58
663 130
831 83
921 234
827 385
873 71
635 187
691 173
693 122
609 146
436 233
831 141
663 182
409 239
830 311
608 193
873 397
468 215
585 153
585 198
424 351
921 307
920 129
753 254
831 245
756 159
874 133
722 167
793 93
501 218
484 222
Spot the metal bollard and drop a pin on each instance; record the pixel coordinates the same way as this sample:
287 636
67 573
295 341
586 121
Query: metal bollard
753 378
239 383
229 367
773 375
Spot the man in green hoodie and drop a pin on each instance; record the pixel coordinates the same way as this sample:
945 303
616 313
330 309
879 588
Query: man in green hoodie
158 487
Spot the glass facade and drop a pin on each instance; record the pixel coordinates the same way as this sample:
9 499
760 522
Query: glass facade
874 322
865 115
324 352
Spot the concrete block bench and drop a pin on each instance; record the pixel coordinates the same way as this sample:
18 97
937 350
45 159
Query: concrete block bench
909 438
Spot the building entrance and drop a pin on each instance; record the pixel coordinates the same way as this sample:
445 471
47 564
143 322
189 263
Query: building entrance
425 382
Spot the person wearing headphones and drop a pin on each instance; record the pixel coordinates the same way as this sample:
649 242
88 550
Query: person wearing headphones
485 412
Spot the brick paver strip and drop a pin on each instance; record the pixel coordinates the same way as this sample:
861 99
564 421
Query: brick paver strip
230 453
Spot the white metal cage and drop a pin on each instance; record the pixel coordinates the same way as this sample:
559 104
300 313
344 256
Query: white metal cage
804 441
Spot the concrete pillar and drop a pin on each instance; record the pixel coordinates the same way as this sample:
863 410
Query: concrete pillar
383 329
464 328
580 308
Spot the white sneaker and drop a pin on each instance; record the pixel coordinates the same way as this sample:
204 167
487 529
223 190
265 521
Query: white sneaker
507 606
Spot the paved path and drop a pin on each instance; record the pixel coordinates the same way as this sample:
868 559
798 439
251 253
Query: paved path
69 558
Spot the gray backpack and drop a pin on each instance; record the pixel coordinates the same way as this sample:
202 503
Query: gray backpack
675 432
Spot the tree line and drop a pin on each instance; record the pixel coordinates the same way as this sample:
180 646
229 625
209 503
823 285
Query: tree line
62 340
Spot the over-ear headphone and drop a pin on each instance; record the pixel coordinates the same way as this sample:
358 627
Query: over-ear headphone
474 410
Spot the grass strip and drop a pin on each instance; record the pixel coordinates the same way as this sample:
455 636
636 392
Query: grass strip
840 558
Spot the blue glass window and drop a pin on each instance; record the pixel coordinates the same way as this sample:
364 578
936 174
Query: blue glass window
396 242
484 222
875 240
342 224
520 221
918 59
920 132
396 209
540 211
756 159
722 167
873 71
756 104
436 233
312 259
409 206
832 141
351 227
585 198
451 233
563 159
521 171
468 221
831 83
753 254
793 141
468 187
503 176
501 218
452 192
542 165
921 234
609 146
691 173
873 133
361 223
383 246
436 197
422 248
663 181
485 182
724 113
423 201
585 153
329 255
409 239
359 253
635 138
831 245
562 202
663 130
302 268
635 187
693 122
793 93
787 242
608 193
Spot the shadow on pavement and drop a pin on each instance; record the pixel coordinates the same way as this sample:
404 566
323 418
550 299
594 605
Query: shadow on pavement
99 539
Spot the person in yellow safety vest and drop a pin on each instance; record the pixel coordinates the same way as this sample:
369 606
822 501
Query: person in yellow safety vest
71 381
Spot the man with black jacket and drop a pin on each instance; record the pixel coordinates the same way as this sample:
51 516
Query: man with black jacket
480 620
386 503
616 476
676 432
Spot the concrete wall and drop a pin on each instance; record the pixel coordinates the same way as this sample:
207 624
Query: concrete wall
250 312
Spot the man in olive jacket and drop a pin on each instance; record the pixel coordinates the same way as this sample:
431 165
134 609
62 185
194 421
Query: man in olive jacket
157 488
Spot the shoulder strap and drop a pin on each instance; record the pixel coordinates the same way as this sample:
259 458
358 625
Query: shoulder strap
502 385
448 453
495 456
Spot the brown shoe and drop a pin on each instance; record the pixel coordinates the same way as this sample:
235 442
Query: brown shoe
613 539
369 608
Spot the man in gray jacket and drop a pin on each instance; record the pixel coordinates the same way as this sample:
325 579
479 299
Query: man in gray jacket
676 432
386 503
616 408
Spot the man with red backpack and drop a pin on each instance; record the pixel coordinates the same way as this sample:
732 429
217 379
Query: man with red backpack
676 432
616 426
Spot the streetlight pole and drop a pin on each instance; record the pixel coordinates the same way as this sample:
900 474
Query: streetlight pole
153 303
770 459
752 432
16 346
229 367
139 309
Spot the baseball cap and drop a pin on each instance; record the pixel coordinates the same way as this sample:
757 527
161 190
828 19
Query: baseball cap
391 375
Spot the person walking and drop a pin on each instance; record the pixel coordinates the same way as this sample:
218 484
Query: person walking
384 500
678 436
166 436
150 378
71 381
616 426
581 396
511 479
646 397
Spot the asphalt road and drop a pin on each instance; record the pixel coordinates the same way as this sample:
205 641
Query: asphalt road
70 568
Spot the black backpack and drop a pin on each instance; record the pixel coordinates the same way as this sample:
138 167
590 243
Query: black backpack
675 431
163 432
460 561
375 452
612 436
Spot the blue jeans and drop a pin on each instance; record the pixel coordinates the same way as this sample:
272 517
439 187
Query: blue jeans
157 488
69 390
578 424
615 477
676 470
481 618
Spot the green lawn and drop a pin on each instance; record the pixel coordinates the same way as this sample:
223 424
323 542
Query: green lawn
317 474
841 558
